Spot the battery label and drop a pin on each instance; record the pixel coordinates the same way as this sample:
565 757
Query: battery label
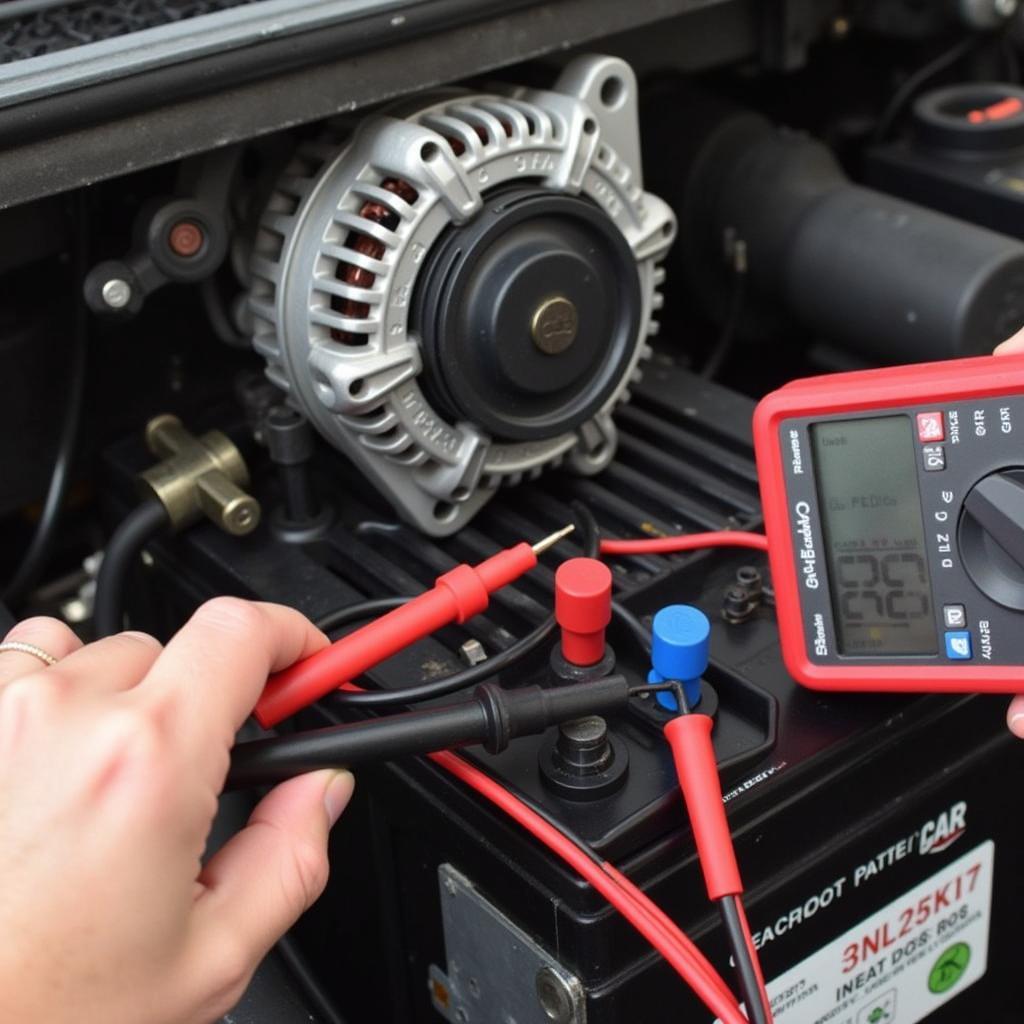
904 961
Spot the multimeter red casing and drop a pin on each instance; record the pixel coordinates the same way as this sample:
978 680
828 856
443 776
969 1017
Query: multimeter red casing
980 402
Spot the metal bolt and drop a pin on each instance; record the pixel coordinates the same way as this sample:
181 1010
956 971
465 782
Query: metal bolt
750 579
117 293
555 996
554 325
186 238
737 604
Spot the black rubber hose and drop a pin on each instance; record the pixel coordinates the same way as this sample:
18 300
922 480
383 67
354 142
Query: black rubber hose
136 530
40 547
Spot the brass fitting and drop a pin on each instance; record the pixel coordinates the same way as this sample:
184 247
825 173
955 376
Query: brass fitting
198 476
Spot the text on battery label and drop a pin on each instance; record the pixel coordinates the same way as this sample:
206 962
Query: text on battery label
935 836
904 961
944 898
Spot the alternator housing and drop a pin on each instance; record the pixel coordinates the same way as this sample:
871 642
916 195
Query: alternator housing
341 310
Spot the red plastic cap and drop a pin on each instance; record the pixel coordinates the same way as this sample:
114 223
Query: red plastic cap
583 608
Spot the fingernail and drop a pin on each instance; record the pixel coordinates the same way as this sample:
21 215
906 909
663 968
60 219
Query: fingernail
144 638
338 794
1016 723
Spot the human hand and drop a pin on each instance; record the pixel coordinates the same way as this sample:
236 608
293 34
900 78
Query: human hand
111 762
1015 712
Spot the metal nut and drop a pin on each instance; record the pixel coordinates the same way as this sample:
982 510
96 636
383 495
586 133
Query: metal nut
116 292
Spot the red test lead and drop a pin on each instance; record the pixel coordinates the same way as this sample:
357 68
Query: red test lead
679 657
458 595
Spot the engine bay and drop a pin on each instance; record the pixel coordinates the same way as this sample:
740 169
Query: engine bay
390 288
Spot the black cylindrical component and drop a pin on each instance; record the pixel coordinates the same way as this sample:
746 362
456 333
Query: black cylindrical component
493 716
533 709
136 530
300 501
583 745
263 762
289 436
290 443
884 276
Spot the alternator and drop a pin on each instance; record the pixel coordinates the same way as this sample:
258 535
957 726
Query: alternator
458 296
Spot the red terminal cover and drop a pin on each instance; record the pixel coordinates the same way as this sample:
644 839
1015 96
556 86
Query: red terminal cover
583 608
861 391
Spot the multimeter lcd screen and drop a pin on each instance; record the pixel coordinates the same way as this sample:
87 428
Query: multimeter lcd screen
874 538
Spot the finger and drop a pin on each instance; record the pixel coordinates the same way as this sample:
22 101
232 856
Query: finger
49 635
1015 717
1015 343
109 665
213 670
262 880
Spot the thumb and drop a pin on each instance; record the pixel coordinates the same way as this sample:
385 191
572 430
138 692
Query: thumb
259 883
1015 717
1015 343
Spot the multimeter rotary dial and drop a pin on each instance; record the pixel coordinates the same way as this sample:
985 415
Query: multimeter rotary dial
991 536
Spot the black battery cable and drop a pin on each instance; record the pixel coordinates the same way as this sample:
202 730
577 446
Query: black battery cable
143 524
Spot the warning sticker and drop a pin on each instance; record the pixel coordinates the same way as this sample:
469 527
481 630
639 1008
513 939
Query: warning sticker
901 963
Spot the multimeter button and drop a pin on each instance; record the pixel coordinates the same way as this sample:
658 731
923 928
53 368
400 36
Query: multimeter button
954 616
958 646
931 426
934 457
991 536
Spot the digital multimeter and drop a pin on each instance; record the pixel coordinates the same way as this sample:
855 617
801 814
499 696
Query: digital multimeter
894 509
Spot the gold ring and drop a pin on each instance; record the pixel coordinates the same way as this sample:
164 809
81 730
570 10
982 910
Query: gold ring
23 648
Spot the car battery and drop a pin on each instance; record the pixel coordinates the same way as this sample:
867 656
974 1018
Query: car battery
876 833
